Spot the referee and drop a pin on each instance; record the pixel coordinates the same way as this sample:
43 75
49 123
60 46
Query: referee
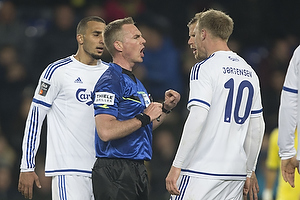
125 117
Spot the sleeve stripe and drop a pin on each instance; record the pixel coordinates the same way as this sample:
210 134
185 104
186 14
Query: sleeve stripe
196 68
52 67
290 90
41 102
32 137
198 100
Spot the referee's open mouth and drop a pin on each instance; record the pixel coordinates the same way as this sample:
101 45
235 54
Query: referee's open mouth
142 52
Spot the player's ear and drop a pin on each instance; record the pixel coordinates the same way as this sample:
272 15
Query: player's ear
203 34
79 38
118 45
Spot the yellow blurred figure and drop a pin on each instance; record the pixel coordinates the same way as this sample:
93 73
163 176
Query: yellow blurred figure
284 190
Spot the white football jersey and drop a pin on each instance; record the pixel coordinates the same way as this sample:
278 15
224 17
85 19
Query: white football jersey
64 95
289 111
228 88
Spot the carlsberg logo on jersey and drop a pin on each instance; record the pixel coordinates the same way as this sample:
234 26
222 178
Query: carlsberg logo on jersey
83 96
104 98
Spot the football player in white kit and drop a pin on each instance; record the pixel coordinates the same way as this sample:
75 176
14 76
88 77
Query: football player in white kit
289 119
63 95
222 136
253 188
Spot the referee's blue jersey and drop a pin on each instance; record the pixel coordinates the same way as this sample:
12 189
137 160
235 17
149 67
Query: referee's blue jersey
120 94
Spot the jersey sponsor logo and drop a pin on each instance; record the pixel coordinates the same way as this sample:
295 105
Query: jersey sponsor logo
104 98
44 87
83 96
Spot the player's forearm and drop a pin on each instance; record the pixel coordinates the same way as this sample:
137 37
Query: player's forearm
287 125
253 142
191 131
31 139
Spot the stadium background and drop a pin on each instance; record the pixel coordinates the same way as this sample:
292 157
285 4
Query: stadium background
34 33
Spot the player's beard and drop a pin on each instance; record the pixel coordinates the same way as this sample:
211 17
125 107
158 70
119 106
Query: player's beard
96 56
200 56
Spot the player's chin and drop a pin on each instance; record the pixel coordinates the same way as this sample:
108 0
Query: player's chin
96 56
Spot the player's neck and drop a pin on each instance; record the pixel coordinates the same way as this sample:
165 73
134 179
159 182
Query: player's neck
85 59
217 46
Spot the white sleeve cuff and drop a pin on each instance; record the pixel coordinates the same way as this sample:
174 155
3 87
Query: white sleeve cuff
27 170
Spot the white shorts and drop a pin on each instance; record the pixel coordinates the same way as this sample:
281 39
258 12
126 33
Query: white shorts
72 187
194 188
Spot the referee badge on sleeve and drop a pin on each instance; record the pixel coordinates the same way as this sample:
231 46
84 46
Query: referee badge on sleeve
44 87
104 98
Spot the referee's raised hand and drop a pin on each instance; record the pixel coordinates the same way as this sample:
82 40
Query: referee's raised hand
171 99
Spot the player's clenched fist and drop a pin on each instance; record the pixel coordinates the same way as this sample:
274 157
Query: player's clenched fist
171 99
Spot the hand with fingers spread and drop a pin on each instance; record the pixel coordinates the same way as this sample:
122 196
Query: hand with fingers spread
26 181
288 167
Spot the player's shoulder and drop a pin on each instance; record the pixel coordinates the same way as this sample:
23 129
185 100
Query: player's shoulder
297 50
232 57
201 63
296 54
56 67
219 58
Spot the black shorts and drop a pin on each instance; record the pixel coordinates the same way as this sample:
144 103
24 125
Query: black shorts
119 179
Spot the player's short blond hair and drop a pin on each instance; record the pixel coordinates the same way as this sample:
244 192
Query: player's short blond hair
194 20
217 23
